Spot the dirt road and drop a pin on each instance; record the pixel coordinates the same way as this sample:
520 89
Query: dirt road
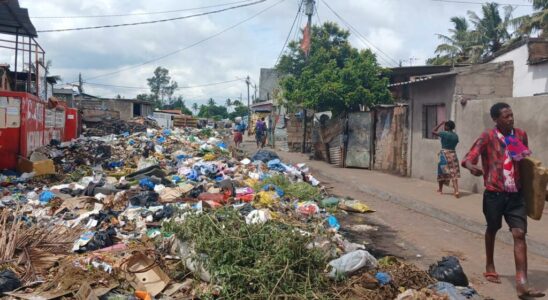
418 237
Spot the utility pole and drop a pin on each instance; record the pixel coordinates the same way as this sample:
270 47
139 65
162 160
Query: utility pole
248 82
309 11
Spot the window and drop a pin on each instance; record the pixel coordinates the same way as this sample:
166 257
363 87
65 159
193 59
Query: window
432 115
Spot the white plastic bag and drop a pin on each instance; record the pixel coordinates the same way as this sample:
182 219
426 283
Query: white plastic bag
352 262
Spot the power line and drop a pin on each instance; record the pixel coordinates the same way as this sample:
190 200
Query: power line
317 14
479 3
154 21
187 47
147 88
359 34
139 14
290 31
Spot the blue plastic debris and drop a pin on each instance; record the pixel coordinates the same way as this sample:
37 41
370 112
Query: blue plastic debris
193 175
125 134
166 132
176 179
383 278
222 145
276 165
270 187
131 142
45 197
147 183
333 223
160 140
115 164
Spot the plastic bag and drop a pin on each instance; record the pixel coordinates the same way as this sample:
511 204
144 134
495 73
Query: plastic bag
265 156
266 198
8 281
258 217
333 223
352 262
383 278
308 209
330 202
455 293
449 270
46 197
354 206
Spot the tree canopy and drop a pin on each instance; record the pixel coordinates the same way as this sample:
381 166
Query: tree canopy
162 90
212 110
478 37
335 76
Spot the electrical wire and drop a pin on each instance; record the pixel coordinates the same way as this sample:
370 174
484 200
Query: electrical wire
147 88
154 21
139 14
351 28
479 3
317 14
290 31
189 46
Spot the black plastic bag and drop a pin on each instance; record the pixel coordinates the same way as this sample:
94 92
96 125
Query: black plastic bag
265 156
449 270
144 199
8 281
164 213
100 240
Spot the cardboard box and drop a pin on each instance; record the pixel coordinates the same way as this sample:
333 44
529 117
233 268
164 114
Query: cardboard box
41 167
153 281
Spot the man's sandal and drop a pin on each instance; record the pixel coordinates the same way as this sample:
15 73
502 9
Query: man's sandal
492 277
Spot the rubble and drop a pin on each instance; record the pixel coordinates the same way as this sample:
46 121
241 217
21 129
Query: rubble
160 214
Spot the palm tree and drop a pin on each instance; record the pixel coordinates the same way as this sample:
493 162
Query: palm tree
195 107
491 30
537 21
211 102
459 47
228 103
237 103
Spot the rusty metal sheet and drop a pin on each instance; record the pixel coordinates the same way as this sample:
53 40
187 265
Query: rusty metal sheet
358 153
391 135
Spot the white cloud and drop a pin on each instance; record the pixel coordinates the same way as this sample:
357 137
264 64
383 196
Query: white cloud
401 28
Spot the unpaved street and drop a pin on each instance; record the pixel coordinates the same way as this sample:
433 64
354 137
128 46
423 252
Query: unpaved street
419 237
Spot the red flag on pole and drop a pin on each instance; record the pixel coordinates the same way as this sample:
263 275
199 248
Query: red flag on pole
305 43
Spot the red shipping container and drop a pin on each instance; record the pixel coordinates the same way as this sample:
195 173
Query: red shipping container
21 126
54 124
32 124
71 124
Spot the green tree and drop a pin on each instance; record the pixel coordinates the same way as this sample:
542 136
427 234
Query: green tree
211 110
536 22
228 103
239 111
459 47
161 86
211 102
237 103
335 76
195 107
491 30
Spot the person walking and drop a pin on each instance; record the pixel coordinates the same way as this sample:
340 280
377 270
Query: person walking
448 164
501 148
260 133
239 129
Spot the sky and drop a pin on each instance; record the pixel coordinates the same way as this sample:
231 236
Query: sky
397 30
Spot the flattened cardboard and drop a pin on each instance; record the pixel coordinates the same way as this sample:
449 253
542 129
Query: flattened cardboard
153 281
85 293
42 167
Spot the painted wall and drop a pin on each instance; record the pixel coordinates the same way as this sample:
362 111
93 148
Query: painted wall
423 151
528 79
474 118
486 81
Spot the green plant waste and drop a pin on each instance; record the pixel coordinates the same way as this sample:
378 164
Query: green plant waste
256 261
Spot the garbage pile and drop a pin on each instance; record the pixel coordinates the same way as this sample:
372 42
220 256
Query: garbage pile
104 127
164 214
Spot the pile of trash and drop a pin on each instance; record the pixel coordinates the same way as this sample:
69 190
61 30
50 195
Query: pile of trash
104 127
164 214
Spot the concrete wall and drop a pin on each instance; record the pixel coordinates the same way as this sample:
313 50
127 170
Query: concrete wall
123 107
269 84
423 151
486 81
528 79
474 118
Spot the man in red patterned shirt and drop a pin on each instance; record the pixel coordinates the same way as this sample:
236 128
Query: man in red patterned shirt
500 149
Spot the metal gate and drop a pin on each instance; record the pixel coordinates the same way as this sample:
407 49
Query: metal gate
358 153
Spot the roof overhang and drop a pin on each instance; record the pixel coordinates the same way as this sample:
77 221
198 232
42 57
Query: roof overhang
15 20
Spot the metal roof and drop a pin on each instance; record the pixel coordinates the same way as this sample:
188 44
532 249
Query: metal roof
15 20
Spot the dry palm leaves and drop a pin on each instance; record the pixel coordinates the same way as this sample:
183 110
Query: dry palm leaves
32 251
